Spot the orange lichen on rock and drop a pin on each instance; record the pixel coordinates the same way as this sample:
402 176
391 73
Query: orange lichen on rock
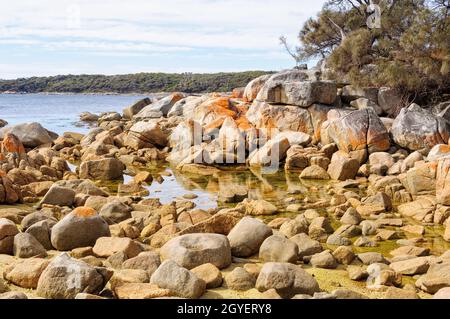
84 212
12 144
222 106
177 96
2 173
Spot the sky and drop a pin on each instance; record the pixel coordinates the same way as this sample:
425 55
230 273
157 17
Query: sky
51 37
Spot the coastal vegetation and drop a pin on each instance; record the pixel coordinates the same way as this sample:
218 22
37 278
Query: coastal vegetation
132 83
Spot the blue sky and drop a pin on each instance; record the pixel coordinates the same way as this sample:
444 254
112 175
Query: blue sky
49 37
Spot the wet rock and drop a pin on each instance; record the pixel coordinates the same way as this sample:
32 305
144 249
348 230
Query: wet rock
323 260
418 129
247 236
107 246
348 231
26 273
81 228
26 246
104 169
179 280
239 279
278 249
287 279
65 277
210 274
193 250
365 242
410 250
233 195
314 172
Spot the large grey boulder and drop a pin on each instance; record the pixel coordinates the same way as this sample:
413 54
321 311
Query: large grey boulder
179 280
65 277
247 236
418 129
287 279
192 250
253 87
81 228
30 134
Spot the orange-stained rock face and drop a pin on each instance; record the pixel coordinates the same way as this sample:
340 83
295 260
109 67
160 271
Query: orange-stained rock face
177 96
84 212
12 144
2 173
2 157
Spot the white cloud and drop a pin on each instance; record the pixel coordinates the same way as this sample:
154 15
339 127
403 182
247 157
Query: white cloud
152 27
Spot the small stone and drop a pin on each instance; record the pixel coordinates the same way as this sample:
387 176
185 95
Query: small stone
344 255
210 274
239 279
107 246
323 260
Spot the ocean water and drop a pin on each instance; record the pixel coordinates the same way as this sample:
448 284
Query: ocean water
59 112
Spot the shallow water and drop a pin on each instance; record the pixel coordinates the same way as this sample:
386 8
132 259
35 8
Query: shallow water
59 112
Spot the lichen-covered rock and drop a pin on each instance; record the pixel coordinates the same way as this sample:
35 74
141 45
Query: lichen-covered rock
81 228
418 129
253 87
355 131
159 108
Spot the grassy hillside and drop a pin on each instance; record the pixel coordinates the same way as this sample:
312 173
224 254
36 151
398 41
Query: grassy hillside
132 83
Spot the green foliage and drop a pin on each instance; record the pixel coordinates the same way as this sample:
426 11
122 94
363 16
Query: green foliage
410 52
132 83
